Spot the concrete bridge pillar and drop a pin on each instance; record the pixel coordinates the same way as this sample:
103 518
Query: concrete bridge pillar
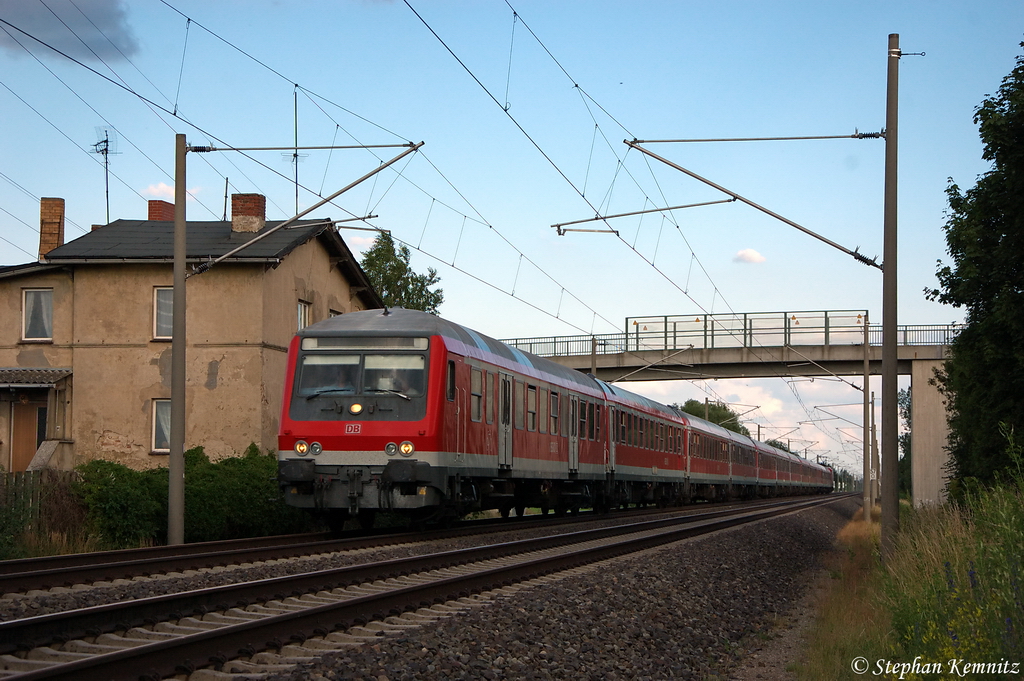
929 436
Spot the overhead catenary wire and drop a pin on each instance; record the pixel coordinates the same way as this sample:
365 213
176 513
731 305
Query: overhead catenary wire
562 173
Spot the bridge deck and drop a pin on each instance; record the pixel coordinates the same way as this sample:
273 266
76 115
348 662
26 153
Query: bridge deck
739 346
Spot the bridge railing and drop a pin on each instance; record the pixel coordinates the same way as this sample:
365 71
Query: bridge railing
752 330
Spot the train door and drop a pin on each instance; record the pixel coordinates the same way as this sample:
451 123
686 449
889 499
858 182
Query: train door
505 421
574 440
612 435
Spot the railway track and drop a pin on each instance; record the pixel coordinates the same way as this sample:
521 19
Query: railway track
39 574
234 627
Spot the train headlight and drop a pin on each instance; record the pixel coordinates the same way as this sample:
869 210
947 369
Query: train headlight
391 449
356 408
301 448
406 448
315 448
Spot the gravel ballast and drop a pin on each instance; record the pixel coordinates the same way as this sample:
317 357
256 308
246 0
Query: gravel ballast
687 611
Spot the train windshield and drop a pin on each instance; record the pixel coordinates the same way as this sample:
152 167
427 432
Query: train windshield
403 375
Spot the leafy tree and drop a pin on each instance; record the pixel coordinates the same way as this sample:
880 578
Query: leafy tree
717 412
778 444
398 286
904 466
981 379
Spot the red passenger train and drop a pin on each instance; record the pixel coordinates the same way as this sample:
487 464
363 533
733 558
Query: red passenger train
398 410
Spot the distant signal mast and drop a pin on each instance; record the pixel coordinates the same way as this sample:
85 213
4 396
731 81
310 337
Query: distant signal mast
106 146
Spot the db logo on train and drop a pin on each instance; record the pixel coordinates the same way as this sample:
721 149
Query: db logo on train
353 428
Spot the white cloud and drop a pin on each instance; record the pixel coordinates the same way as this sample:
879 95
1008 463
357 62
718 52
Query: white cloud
160 191
166 191
358 243
748 255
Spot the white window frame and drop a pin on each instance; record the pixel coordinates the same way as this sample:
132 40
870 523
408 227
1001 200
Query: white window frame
156 311
157 404
25 311
304 316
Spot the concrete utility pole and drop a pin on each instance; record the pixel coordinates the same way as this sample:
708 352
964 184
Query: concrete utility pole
890 415
867 422
176 461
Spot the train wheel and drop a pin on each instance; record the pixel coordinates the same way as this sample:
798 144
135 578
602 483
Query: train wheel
366 519
520 511
336 521
505 510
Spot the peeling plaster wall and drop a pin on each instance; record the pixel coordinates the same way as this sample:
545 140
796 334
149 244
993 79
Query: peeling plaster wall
15 353
240 320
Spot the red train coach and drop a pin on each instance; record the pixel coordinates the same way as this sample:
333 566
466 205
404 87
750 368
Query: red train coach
399 410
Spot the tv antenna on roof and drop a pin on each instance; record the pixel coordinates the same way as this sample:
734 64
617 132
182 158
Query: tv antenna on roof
106 146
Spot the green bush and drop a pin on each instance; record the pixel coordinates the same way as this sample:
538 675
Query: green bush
125 507
233 498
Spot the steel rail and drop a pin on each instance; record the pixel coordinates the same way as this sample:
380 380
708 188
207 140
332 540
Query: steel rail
46 572
190 652
43 630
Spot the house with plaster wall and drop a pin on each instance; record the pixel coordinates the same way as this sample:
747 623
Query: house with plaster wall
85 347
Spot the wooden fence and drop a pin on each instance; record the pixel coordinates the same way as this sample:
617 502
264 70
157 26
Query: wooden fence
25 492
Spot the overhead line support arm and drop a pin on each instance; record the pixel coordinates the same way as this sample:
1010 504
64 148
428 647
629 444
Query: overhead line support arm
854 254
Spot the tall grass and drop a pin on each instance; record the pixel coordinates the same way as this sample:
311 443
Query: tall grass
951 590
851 621
953 582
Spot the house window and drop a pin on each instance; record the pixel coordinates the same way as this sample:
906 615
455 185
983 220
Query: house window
37 320
334 313
305 314
163 312
161 426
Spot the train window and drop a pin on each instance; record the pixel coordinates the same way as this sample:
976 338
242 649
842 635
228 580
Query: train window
597 422
520 399
531 407
336 373
591 421
583 419
476 394
361 343
554 413
622 426
542 418
662 440
642 439
573 410
393 373
450 392
489 398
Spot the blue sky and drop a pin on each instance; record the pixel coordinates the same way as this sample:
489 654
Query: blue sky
524 108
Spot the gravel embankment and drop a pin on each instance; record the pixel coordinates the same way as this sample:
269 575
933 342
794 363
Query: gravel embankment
684 612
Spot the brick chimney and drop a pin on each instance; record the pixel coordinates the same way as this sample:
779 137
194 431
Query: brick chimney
161 211
248 212
51 225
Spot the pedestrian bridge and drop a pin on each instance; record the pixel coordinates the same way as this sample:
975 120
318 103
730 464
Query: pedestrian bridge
740 345
773 345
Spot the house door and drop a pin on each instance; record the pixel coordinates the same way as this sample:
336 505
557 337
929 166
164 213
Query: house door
28 430
505 421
